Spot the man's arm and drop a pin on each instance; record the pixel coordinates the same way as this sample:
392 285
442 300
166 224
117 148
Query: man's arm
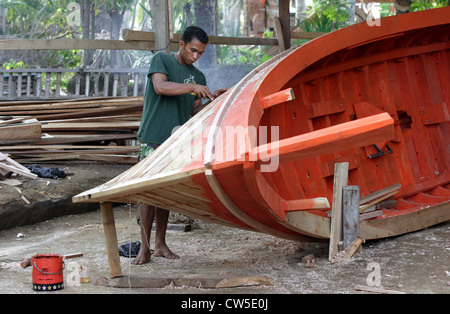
163 86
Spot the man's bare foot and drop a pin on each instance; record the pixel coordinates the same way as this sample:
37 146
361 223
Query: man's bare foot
164 251
142 258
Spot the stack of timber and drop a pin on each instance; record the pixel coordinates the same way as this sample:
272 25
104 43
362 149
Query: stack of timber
87 130
8 166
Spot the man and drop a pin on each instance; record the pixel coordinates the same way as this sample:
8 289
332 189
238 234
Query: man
175 89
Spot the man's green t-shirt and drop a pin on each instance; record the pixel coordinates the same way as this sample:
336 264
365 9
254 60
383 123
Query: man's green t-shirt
161 114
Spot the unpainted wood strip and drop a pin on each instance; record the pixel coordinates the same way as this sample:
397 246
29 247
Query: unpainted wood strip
306 204
188 192
366 199
185 210
18 171
340 180
363 208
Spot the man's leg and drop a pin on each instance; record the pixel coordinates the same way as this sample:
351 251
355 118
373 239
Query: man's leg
161 249
147 213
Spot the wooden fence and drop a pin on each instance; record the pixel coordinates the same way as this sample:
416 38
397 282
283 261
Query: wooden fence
19 84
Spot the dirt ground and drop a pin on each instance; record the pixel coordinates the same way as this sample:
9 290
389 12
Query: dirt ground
415 263
41 199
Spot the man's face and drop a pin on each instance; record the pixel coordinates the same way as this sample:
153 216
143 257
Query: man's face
191 51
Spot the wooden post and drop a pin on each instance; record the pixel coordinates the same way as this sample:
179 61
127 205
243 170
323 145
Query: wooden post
162 32
340 180
350 203
106 84
58 84
48 78
86 84
19 84
28 84
109 228
2 81
283 13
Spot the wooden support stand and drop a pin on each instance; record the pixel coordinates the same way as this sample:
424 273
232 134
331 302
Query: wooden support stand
109 227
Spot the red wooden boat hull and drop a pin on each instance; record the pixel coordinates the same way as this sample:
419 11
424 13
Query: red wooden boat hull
262 156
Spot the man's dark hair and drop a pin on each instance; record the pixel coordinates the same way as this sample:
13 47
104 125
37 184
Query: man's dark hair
192 32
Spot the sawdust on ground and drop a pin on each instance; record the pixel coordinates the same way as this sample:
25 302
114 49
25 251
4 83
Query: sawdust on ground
412 263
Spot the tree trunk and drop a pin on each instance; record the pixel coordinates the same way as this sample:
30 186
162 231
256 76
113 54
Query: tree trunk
116 24
300 10
205 12
3 13
86 8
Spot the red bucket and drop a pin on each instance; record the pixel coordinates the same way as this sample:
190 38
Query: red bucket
47 272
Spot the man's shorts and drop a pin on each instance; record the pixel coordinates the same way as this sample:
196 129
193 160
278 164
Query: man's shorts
146 149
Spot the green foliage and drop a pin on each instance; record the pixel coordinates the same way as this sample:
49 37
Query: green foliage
64 58
326 16
251 56
420 5
242 55
13 64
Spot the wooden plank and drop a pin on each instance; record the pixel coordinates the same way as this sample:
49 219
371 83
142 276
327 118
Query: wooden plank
79 138
18 170
408 222
435 114
132 35
340 180
21 131
129 125
305 204
109 229
326 168
326 107
370 215
363 208
279 33
366 199
306 35
104 158
68 147
350 203
353 247
128 281
13 120
64 44
13 162
376 290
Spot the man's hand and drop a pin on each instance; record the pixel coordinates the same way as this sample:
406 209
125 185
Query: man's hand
202 91
219 92
198 106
